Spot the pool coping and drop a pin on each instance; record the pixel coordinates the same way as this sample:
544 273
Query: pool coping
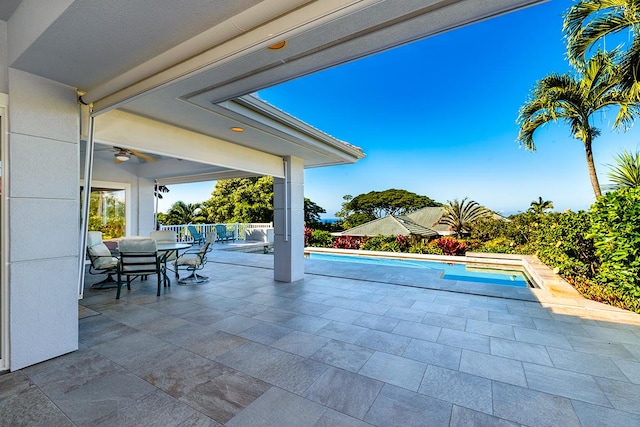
551 289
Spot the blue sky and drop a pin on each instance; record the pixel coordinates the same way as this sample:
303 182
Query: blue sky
437 117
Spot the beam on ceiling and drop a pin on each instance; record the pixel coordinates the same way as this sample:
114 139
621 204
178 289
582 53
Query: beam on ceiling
121 129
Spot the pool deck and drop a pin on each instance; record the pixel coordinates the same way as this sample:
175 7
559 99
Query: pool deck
346 346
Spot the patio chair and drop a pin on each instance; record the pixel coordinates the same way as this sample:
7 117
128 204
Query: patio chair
102 261
138 258
195 234
193 261
222 234
165 236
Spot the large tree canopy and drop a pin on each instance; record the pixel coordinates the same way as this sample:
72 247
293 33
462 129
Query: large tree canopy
240 200
377 204
312 213
389 202
248 200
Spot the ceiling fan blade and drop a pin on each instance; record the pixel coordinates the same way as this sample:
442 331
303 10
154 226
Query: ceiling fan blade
143 156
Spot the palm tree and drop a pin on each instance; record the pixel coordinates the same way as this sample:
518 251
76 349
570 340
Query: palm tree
590 21
575 100
539 206
626 171
459 216
183 213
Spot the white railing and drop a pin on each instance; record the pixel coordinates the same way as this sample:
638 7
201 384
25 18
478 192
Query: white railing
238 229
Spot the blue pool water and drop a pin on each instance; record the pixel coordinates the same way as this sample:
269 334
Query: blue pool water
457 271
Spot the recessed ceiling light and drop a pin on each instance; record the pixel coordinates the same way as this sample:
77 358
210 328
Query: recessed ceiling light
237 129
279 45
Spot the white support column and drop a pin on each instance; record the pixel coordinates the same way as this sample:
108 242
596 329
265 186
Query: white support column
44 216
288 206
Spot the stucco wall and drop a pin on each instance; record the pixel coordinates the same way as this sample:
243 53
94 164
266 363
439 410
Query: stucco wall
43 212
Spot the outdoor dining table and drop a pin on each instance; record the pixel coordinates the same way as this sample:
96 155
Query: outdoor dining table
165 250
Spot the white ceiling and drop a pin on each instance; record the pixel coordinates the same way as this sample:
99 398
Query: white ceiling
186 62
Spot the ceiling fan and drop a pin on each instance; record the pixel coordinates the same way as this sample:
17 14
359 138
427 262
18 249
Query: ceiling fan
124 154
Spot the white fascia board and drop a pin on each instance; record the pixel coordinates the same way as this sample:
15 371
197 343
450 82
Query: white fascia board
308 132
254 112
122 129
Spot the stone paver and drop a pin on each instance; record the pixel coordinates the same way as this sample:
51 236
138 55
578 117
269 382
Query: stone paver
350 349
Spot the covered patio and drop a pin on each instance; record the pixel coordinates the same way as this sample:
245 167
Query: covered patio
332 350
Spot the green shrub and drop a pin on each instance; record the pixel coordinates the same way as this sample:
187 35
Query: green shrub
521 227
561 240
382 243
320 239
489 228
499 245
615 228
605 294
430 248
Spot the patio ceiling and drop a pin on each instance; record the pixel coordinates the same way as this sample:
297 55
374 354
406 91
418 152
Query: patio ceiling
190 64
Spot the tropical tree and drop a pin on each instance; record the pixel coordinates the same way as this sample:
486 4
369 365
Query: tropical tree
460 215
625 173
312 213
241 200
588 22
183 213
574 100
540 206
377 204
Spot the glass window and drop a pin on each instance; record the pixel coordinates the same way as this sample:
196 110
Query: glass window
107 212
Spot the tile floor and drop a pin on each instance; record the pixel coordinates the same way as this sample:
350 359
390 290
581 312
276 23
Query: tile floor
243 350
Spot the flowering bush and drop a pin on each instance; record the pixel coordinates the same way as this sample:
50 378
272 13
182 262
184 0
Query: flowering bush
402 242
347 242
308 233
451 246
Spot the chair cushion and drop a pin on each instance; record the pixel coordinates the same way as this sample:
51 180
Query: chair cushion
164 236
102 258
137 245
94 238
189 261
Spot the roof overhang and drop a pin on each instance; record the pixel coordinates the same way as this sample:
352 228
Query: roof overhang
191 64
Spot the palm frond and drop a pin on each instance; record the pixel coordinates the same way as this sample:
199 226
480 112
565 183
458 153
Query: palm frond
626 170
588 21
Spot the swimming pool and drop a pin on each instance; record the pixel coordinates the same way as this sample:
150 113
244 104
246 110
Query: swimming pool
452 271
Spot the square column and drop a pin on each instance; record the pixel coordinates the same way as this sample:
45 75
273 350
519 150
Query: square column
288 220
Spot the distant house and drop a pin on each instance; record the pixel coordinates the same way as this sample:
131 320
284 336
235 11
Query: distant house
423 222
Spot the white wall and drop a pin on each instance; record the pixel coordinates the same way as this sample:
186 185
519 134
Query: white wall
43 212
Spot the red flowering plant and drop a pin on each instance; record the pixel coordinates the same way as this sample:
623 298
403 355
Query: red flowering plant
308 234
451 246
403 242
347 242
